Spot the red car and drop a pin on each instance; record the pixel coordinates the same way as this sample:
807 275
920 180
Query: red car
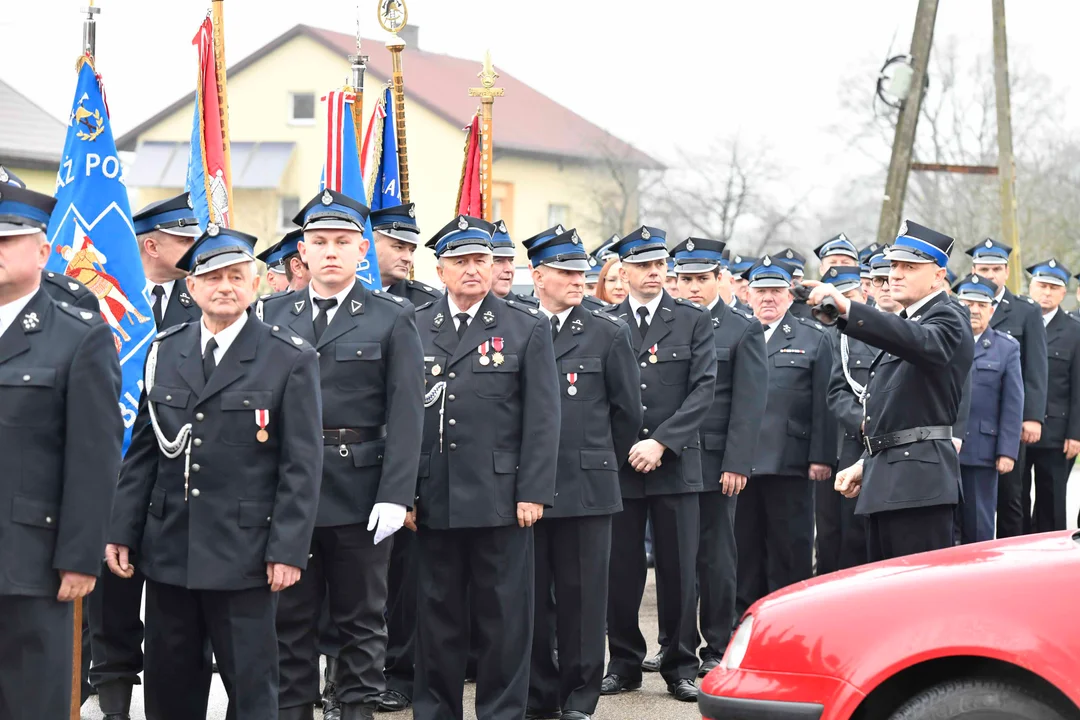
990 630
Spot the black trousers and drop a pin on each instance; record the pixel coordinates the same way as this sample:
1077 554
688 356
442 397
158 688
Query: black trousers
495 565
116 638
35 657
329 642
572 554
675 524
240 626
774 530
350 569
1051 469
897 533
977 507
401 615
1010 501
717 562
841 534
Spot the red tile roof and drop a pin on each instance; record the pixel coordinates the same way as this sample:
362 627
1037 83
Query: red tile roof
526 121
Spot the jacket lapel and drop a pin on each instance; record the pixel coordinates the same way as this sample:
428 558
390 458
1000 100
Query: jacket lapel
658 327
190 367
567 338
782 335
301 323
342 322
718 312
442 325
1001 312
15 340
479 330
233 362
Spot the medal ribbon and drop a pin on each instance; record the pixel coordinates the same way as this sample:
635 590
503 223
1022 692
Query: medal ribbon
653 349
571 378
497 343
483 348
262 417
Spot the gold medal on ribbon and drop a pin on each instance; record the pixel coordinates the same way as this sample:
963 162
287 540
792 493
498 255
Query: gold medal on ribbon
436 369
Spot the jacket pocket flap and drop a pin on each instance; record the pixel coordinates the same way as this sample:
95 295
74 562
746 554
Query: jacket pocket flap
673 353
926 452
358 351
509 364
988 427
987 365
1057 411
172 397
31 511
505 462
28 377
797 429
723 354
367 454
599 460
247 400
157 502
1060 354
788 360
580 365
255 513
715 441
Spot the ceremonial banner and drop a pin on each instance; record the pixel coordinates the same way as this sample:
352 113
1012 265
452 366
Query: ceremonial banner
342 172
469 191
93 237
207 177
386 185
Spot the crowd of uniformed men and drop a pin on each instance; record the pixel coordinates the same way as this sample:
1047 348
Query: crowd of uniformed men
430 487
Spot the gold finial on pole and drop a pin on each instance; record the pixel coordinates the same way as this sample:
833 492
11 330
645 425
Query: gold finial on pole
393 15
487 94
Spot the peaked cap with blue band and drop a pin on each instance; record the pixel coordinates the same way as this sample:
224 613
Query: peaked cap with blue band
562 251
918 244
398 222
698 255
843 277
869 251
502 245
671 267
990 252
642 245
277 255
1050 271
331 210
22 211
218 247
794 259
864 271
950 276
769 273
879 264
173 215
465 235
975 288
606 250
838 245
739 265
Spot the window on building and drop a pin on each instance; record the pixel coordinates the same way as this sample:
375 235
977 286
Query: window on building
558 215
288 207
302 108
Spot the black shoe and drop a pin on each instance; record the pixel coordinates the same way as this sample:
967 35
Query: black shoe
683 690
575 715
707 666
393 701
614 684
531 714
652 664
330 706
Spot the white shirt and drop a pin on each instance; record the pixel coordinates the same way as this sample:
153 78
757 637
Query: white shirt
914 308
167 286
562 316
1001 294
977 338
9 312
1047 317
713 303
770 329
455 311
651 306
340 297
224 338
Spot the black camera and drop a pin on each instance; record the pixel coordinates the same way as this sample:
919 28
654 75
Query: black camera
826 313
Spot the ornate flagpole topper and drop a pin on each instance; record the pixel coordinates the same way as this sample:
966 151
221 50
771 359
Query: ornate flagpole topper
393 15
487 95
359 66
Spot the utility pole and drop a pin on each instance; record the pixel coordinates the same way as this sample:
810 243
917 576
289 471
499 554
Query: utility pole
904 141
1006 161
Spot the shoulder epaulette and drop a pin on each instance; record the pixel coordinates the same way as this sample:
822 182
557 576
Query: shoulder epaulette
610 318
170 331
425 306
527 299
388 297
690 304
1028 298
417 285
811 324
279 293
609 307
522 307
740 314
68 284
85 316
294 341
1010 338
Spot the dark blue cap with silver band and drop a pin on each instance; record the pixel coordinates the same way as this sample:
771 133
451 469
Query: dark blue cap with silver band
173 215
975 288
918 244
277 255
990 252
1050 271
562 251
218 247
592 275
606 250
843 278
331 210
739 265
794 259
838 245
880 265
868 252
501 243
643 245
398 222
22 211
466 235
698 255
769 273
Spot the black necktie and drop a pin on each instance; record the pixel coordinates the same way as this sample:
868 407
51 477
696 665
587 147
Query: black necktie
208 362
643 325
323 318
903 314
159 304
554 327
463 324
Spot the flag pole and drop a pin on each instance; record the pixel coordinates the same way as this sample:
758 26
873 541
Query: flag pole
487 95
359 66
217 9
393 15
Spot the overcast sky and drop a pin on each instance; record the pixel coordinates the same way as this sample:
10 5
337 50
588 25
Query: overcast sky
765 69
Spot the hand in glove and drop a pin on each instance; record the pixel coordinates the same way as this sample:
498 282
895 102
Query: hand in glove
386 519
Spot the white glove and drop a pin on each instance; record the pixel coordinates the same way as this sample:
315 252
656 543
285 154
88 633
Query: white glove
389 517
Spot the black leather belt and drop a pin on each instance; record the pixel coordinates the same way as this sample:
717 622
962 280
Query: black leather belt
352 436
876 444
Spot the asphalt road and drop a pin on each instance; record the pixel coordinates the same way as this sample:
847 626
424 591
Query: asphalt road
651 702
